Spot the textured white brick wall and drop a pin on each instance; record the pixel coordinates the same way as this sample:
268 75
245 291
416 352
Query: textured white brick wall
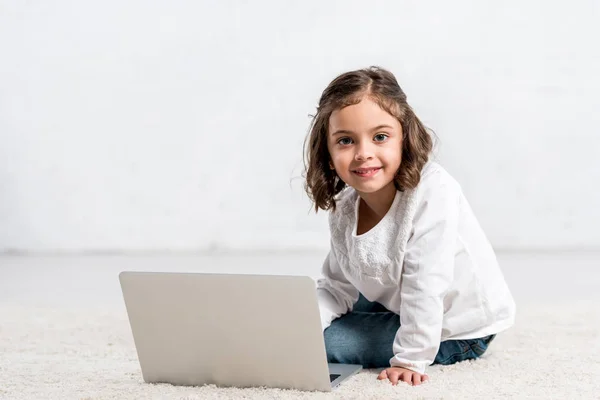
179 125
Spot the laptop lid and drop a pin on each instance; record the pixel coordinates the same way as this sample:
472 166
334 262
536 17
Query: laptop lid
228 330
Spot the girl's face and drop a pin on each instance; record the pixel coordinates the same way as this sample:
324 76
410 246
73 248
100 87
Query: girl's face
365 143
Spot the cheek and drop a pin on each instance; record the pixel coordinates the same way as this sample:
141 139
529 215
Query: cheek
393 156
338 156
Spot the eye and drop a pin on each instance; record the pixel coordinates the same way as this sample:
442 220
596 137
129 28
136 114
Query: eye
380 137
344 141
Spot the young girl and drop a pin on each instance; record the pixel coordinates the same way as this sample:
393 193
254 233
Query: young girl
411 279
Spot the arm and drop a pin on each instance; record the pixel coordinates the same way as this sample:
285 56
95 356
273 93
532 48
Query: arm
427 274
335 294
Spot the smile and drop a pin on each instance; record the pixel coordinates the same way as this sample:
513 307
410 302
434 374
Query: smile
366 172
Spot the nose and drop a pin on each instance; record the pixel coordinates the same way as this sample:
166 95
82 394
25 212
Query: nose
363 152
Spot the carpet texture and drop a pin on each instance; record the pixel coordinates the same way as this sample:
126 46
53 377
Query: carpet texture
553 352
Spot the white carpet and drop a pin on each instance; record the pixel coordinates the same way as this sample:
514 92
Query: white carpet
552 352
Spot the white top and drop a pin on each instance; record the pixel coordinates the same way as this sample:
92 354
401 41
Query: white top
427 260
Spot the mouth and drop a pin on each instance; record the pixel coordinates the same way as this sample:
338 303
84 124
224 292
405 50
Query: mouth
366 172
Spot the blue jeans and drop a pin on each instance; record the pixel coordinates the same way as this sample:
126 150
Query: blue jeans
366 334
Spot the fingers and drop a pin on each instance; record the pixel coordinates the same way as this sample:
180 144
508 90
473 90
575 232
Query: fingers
416 379
413 378
389 374
393 376
407 377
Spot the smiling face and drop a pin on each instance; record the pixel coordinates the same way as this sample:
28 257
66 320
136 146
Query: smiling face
365 145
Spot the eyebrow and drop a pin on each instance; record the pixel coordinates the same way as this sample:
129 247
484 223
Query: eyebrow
344 131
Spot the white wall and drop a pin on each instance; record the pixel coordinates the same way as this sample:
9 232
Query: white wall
179 125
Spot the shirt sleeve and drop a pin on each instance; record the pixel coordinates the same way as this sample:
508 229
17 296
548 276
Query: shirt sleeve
427 274
335 294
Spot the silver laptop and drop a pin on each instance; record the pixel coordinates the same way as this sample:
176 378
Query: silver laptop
229 330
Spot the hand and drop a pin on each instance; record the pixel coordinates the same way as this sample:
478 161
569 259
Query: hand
395 374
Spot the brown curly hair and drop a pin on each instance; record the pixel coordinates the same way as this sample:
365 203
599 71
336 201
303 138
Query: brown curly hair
322 183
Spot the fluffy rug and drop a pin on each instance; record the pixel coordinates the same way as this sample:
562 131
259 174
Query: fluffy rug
553 352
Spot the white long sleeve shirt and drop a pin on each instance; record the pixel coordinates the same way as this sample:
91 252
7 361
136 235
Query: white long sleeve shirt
427 260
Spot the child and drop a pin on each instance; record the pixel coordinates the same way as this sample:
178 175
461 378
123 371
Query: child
411 279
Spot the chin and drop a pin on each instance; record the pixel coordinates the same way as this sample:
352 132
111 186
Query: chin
368 188
371 187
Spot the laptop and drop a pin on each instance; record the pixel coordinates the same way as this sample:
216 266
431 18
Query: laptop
229 330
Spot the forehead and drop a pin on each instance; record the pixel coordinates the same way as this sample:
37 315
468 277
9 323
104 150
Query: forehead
361 116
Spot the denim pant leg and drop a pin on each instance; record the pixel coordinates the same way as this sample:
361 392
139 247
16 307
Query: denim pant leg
366 337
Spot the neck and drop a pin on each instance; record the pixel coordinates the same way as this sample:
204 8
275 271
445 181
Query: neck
379 202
